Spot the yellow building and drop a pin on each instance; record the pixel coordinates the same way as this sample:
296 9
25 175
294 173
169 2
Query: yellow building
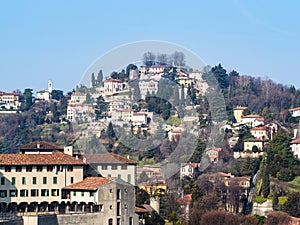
238 113
158 188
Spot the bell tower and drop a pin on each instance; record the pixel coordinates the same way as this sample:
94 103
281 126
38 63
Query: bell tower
50 86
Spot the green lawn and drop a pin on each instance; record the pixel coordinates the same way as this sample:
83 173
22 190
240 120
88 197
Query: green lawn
295 184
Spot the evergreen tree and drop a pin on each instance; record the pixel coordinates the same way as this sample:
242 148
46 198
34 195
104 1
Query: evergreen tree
110 131
27 96
176 96
101 107
265 183
93 80
275 201
99 79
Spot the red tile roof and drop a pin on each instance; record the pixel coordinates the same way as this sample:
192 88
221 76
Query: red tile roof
89 183
252 116
185 200
240 108
258 128
113 80
294 109
56 158
191 165
297 141
40 145
107 158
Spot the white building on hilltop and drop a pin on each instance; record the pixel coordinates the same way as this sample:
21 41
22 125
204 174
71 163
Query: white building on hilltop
45 94
9 100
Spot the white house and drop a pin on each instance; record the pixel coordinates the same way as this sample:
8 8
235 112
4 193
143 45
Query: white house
112 85
259 133
148 86
252 120
295 112
45 94
9 100
189 170
295 145
77 98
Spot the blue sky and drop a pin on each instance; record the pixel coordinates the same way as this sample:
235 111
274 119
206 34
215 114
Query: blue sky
58 40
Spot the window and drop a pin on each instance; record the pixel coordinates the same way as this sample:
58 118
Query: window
118 208
91 194
119 176
130 221
34 180
39 168
13 193
74 193
2 180
3 193
23 180
45 192
24 193
118 194
114 167
118 221
44 180
34 193
28 168
72 180
124 167
7 168
70 168
54 180
108 175
18 168
49 168
82 194
128 178
104 167
13 180
55 192
110 221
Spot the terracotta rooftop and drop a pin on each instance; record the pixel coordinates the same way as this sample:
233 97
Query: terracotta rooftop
240 108
258 128
185 200
192 165
89 183
9 93
56 158
214 149
107 158
294 109
113 80
40 145
296 141
252 116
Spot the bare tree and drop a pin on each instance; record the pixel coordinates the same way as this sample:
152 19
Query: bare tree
162 59
177 59
149 59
